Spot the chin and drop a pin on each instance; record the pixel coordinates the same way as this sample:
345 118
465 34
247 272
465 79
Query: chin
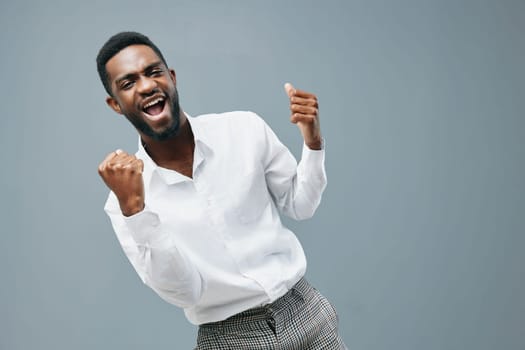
166 134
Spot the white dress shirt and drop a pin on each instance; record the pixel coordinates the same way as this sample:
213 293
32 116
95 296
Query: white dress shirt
214 244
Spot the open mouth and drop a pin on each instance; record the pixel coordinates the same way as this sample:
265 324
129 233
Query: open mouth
155 107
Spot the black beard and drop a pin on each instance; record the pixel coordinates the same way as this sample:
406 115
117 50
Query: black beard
166 134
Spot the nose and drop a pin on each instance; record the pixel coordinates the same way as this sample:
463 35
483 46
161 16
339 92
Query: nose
146 85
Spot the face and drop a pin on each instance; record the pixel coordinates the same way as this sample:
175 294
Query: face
144 90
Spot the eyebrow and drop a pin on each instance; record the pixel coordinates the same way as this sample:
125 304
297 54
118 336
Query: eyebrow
131 75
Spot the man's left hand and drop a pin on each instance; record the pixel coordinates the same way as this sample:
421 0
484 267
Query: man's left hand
305 113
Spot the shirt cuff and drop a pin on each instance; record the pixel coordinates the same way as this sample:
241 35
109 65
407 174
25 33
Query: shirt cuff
311 165
312 155
144 226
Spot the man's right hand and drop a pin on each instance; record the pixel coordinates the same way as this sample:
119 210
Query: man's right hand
122 173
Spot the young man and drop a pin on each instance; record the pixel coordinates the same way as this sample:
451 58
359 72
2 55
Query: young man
196 209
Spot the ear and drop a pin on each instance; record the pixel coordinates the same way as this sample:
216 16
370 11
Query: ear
113 104
173 76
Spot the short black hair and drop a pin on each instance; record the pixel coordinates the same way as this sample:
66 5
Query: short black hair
114 45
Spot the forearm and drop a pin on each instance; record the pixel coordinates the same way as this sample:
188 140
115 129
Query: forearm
297 189
304 194
157 258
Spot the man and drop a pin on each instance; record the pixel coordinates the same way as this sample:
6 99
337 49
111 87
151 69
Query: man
196 209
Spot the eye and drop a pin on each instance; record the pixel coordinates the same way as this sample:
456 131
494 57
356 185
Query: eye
156 72
126 85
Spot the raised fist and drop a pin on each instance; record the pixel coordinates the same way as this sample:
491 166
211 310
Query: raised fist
305 113
122 173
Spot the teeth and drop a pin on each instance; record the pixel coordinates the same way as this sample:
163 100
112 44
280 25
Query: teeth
155 101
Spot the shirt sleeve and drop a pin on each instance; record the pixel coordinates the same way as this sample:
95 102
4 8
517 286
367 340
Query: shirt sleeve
154 255
295 188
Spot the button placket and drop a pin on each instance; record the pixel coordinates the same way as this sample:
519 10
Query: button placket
270 319
271 323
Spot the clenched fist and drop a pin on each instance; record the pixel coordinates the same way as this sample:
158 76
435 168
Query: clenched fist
305 113
122 173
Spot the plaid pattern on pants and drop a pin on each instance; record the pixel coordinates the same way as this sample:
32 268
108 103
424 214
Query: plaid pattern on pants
302 319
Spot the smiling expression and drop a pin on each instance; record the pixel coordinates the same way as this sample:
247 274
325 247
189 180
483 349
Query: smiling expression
144 90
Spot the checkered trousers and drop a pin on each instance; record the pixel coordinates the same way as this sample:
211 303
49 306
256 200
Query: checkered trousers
302 319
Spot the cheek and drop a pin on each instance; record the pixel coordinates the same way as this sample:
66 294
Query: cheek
126 102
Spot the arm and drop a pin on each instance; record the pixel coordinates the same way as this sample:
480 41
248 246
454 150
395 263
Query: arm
297 189
151 250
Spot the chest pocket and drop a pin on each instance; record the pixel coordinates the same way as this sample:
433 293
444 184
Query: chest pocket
248 197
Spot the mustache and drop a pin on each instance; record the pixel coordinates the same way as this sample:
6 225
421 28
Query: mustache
172 130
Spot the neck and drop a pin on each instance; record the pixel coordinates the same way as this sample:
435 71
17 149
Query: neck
178 149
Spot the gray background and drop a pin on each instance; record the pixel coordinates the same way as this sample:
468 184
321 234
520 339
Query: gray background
419 239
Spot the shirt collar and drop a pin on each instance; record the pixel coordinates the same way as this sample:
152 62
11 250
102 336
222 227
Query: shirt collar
202 150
